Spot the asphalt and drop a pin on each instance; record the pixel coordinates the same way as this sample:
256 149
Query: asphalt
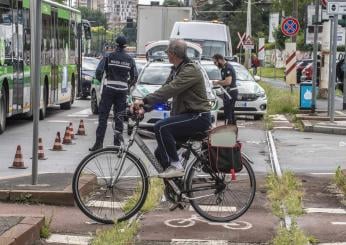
56 189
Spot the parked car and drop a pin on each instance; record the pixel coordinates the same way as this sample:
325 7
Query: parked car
152 77
301 64
252 99
89 65
140 63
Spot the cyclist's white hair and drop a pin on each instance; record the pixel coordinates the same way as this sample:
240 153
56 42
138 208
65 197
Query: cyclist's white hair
178 47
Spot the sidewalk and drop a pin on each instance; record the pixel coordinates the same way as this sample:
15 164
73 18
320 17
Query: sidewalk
320 121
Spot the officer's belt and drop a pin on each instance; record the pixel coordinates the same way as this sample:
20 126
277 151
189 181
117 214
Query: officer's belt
121 83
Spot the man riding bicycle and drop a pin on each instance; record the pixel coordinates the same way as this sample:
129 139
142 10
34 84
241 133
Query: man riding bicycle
190 111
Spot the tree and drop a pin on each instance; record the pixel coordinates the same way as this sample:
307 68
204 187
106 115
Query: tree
280 38
175 3
96 17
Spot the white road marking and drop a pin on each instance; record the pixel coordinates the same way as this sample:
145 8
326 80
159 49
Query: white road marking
282 127
338 223
215 208
322 173
336 243
58 121
82 113
104 204
326 210
66 239
341 143
197 242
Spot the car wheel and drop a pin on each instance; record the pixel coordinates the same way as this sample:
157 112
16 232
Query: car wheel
93 102
3 111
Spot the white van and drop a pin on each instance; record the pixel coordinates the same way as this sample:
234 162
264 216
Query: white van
213 37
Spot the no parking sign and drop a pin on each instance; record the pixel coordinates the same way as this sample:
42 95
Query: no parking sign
290 26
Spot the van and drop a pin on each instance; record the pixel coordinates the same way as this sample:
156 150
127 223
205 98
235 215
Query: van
212 37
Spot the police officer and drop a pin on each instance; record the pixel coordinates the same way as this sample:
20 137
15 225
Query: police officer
121 74
228 82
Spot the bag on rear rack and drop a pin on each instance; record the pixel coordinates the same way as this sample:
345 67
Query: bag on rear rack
224 150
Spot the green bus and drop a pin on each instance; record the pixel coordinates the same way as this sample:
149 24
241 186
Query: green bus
62 32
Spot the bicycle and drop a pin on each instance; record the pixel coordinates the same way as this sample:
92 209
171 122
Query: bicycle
111 184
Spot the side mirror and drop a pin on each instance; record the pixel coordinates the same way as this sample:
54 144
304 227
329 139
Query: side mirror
257 78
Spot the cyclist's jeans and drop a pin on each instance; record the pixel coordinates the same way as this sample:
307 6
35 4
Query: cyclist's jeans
111 97
180 127
228 105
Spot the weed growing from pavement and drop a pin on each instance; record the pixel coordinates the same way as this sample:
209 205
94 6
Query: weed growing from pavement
340 180
119 234
124 232
292 236
45 229
285 195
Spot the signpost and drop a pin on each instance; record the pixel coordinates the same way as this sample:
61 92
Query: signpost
248 44
336 8
290 26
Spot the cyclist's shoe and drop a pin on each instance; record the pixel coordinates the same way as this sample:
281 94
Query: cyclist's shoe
118 139
96 146
172 172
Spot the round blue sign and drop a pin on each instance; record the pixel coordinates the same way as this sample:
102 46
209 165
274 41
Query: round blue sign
290 27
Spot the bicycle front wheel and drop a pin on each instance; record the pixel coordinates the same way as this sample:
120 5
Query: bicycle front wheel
220 199
108 191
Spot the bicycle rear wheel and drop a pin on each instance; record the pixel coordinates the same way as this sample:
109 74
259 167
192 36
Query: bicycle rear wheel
107 192
221 200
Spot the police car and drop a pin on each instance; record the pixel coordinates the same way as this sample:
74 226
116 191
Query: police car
155 73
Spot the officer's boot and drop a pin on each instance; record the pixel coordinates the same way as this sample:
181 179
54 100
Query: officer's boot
118 138
98 145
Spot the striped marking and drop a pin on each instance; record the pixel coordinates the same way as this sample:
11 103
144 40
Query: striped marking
290 57
260 49
209 208
198 242
326 210
66 239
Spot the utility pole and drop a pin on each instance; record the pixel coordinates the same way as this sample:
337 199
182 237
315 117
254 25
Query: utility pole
247 52
314 73
295 15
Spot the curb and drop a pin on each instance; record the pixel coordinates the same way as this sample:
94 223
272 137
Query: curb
309 127
60 198
25 232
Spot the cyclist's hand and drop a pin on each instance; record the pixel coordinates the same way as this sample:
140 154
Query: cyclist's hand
137 107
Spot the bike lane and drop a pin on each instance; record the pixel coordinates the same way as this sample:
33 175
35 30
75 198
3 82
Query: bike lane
256 226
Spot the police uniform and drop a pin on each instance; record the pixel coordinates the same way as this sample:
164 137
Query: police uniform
229 104
121 73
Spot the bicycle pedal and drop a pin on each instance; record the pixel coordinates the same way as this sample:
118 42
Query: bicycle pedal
174 206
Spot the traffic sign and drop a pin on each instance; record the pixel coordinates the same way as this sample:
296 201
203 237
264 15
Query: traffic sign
290 26
324 3
241 39
336 7
248 43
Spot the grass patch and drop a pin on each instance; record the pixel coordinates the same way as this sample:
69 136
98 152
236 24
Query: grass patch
340 180
45 229
286 197
292 236
268 122
124 232
338 92
156 188
269 72
280 100
119 234
285 191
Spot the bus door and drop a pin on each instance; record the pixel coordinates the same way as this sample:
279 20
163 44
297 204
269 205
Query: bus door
55 57
21 91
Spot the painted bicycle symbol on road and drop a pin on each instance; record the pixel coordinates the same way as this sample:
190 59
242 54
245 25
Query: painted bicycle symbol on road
183 223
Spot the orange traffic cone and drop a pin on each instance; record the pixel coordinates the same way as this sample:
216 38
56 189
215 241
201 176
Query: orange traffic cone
40 150
57 143
67 137
71 131
18 159
81 129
